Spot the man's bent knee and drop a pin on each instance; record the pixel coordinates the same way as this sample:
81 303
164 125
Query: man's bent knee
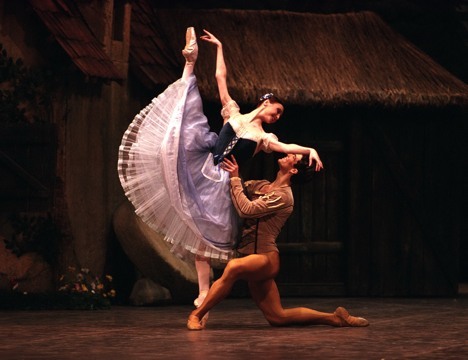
233 270
276 321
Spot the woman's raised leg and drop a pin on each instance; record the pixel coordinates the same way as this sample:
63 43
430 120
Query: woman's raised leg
190 52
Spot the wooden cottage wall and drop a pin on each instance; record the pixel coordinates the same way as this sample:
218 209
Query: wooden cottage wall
27 167
88 117
404 203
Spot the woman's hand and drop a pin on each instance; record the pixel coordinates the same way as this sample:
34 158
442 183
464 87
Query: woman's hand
209 37
231 166
313 155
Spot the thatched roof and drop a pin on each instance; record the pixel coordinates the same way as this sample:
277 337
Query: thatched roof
66 24
308 59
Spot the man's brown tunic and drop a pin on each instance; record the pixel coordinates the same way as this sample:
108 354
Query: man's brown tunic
264 213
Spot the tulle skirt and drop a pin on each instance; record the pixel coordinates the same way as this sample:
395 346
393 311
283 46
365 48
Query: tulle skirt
167 172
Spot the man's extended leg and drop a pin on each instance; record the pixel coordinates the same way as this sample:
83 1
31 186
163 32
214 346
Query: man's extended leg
266 296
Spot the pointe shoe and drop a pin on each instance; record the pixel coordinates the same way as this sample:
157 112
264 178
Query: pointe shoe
204 320
190 51
201 297
348 320
194 323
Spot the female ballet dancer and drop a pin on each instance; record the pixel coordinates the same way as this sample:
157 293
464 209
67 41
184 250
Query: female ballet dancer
169 163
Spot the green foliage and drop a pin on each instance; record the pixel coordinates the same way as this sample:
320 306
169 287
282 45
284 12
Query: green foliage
25 93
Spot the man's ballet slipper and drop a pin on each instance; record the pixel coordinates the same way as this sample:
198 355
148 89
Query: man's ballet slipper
193 323
190 51
348 320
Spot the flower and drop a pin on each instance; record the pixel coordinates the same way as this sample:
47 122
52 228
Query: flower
83 281
78 289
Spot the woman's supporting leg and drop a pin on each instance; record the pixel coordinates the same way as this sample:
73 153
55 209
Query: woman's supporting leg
203 267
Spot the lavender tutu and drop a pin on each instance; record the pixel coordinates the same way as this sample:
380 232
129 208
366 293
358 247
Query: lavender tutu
167 171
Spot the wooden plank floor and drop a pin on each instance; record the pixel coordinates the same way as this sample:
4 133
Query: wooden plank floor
434 328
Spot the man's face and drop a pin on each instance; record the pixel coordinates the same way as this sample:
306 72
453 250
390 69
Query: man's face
289 161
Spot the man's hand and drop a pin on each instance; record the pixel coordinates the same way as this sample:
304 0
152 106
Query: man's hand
231 166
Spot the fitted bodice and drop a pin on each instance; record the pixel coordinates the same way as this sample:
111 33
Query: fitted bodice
243 149
237 137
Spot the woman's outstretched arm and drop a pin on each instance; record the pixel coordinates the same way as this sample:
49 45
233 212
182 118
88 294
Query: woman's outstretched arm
278 146
221 70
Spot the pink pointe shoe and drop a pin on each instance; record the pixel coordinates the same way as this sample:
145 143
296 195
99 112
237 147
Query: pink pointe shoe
190 51
348 320
198 302
201 297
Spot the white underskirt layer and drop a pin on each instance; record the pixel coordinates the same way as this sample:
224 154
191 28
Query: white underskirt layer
166 171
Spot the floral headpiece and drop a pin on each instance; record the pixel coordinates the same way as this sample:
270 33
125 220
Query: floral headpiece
266 97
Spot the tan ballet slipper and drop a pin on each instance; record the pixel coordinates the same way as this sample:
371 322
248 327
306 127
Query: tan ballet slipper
194 323
190 51
348 320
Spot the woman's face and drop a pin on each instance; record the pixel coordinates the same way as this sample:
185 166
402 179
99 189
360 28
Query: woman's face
272 112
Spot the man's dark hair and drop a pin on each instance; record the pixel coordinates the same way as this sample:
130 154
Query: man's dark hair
304 171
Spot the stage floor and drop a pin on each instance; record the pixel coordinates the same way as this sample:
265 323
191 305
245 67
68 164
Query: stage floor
419 328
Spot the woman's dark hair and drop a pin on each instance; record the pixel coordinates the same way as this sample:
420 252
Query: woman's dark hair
270 96
304 171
